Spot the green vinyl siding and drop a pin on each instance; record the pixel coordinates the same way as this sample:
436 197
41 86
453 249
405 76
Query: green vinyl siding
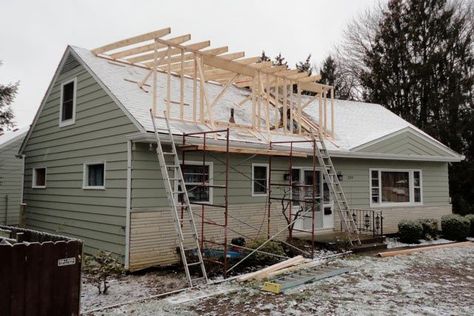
405 143
356 183
148 190
11 169
98 134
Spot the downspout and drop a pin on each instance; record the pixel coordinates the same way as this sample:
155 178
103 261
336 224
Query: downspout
128 203
22 219
6 210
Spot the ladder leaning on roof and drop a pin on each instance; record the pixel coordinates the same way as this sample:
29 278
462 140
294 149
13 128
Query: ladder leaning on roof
175 186
335 188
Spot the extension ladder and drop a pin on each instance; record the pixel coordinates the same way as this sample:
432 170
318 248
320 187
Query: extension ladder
175 186
332 181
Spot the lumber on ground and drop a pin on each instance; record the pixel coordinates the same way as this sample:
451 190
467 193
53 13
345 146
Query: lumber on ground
263 272
418 249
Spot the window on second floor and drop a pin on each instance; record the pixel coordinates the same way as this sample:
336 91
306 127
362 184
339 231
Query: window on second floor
67 110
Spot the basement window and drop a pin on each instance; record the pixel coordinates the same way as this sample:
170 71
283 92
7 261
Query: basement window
94 176
395 187
67 110
39 178
259 179
197 178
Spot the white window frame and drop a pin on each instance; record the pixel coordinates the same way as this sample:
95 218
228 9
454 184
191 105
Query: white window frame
85 176
210 164
73 119
253 179
410 187
33 178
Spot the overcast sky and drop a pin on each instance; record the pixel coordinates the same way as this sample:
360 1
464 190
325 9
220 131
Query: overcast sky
34 34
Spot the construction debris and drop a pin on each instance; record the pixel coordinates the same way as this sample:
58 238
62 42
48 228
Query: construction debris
413 250
285 283
261 274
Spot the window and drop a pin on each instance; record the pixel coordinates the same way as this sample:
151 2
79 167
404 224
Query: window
67 111
39 178
395 187
94 176
259 179
197 179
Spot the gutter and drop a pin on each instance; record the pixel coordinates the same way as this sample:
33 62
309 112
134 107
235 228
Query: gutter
149 138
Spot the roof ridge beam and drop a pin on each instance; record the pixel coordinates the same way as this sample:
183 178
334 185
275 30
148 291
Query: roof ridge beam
149 47
132 40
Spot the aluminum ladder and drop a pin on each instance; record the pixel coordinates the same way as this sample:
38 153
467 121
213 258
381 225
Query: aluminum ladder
332 181
175 186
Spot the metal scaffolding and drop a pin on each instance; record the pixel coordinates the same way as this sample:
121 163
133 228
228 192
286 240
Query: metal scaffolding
293 187
206 184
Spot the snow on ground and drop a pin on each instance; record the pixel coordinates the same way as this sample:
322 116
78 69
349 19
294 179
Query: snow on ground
394 242
435 282
129 288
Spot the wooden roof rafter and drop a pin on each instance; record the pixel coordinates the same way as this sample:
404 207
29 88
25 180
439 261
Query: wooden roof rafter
158 51
169 51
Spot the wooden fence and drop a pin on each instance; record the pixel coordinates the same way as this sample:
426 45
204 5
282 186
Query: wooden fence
39 276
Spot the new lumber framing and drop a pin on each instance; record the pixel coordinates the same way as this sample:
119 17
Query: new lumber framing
158 51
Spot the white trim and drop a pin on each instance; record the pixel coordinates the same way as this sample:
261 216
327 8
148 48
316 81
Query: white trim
33 178
85 175
367 155
253 179
73 119
410 188
413 131
128 204
210 164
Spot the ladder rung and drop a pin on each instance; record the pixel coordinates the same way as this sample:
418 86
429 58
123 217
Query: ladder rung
172 166
168 153
193 264
178 192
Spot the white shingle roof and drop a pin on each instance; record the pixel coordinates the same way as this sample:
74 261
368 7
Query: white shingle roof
10 136
356 123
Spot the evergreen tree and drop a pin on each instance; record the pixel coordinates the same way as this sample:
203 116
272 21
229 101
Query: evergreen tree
305 66
280 61
7 94
420 64
331 75
264 57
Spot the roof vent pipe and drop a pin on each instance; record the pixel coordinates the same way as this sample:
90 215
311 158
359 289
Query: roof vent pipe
231 119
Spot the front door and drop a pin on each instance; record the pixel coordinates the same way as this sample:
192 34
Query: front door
302 195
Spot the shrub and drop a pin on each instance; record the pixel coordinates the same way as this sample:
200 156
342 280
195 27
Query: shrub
100 267
270 247
470 217
410 231
455 227
430 227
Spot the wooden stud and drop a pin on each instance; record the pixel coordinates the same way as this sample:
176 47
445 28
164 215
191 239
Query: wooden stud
332 112
168 86
325 111
300 114
194 88
181 89
155 92
320 111
285 106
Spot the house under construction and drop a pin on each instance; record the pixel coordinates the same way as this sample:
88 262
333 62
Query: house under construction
234 147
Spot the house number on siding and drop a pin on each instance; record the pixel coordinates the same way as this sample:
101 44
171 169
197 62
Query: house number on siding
66 262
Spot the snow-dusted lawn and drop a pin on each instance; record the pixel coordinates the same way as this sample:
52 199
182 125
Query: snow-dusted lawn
436 282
